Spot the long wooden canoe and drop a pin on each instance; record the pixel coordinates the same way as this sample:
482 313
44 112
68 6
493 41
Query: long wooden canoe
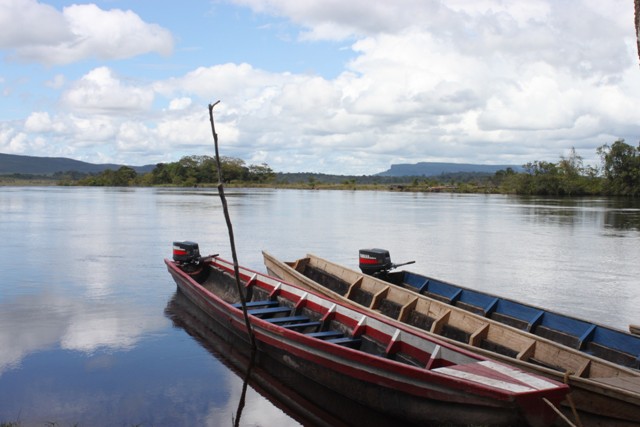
365 357
603 393
308 403
605 342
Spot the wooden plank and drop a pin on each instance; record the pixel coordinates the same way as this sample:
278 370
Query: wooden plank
481 333
326 334
300 264
352 288
542 356
345 341
377 298
584 369
527 352
435 354
253 304
303 325
626 383
278 320
269 310
436 327
406 309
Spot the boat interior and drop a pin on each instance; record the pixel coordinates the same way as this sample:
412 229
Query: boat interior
297 310
452 321
592 339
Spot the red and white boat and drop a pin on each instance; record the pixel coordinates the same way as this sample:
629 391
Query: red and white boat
372 360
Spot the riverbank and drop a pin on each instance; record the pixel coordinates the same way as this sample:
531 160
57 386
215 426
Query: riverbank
400 187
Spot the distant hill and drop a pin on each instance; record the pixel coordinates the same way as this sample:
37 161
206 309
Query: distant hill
11 163
435 169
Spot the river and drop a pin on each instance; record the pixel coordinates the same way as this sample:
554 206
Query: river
88 327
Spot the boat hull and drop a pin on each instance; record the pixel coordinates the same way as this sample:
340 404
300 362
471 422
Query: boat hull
369 380
599 402
309 403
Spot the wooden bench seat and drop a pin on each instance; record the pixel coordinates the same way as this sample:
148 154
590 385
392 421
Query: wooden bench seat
348 341
252 304
326 334
288 319
302 325
269 310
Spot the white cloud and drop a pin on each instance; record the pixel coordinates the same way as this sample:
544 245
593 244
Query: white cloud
56 82
337 19
486 81
11 140
38 122
180 103
79 32
17 19
99 90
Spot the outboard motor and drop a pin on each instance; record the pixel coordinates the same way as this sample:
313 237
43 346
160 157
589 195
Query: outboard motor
187 256
374 261
377 262
186 253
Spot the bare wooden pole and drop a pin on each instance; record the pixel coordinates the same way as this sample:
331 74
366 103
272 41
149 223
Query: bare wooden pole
637 21
236 268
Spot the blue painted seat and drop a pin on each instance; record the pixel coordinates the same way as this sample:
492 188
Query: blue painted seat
269 310
326 334
252 304
345 341
287 319
302 325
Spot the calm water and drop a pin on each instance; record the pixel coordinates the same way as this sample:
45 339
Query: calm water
89 330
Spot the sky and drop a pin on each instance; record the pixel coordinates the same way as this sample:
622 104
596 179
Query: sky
327 86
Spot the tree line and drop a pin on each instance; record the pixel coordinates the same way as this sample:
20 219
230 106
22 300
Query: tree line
618 175
189 171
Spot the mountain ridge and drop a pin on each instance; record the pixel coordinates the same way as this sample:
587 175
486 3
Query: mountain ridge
439 168
32 165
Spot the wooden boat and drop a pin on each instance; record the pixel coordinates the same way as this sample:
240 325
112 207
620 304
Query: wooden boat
603 393
607 343
308 403
634 329
367 358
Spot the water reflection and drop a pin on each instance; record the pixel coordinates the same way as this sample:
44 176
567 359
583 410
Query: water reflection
83 337
609 213
304 401
47 320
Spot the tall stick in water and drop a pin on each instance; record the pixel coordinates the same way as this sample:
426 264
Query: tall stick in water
236 268
637 22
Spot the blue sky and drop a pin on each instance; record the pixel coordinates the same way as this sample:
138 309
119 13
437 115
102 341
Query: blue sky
321 85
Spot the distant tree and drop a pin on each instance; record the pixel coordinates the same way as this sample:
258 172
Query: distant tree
123 177
261 173
312 182
160 174
194 170
621 168
576 179
233 169
543 179
572 165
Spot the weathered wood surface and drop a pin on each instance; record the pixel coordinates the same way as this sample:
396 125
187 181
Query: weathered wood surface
599 387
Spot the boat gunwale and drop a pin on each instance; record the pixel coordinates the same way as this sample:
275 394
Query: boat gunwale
590 329
588 384
376 283
427 376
